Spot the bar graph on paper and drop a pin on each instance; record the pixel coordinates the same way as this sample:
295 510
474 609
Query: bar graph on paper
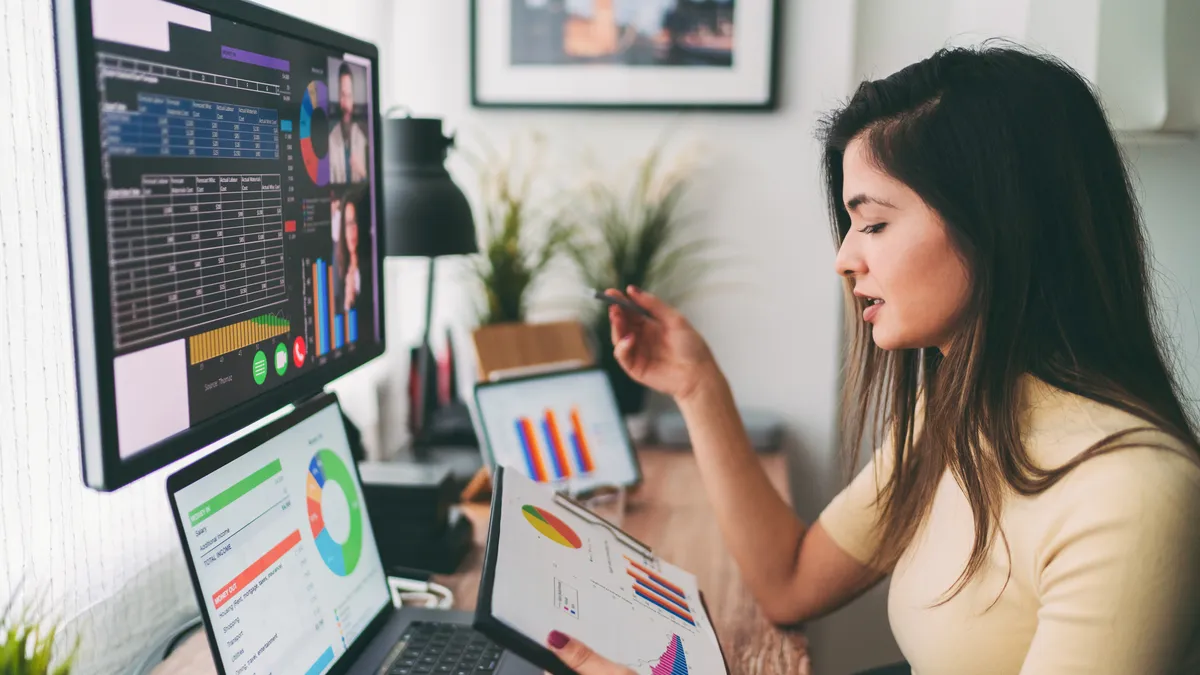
673 661
555 449
331 329
653 589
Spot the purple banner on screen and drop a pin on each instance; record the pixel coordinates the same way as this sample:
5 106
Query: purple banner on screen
257 59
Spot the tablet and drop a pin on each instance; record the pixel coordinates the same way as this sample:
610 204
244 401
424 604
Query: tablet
562 429
550 565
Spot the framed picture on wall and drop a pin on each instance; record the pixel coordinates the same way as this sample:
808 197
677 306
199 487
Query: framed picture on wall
669 54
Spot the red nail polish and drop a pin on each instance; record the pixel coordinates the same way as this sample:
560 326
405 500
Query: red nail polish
558 640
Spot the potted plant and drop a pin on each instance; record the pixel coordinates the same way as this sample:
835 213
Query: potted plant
27 648
519 236
637 235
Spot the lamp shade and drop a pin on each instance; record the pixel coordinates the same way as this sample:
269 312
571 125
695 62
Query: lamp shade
425 213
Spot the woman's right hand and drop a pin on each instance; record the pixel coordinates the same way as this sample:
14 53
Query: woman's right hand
664 353
580 658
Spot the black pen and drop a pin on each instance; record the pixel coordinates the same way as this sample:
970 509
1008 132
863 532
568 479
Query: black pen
621 301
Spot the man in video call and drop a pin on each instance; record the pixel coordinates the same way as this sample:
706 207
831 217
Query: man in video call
347 141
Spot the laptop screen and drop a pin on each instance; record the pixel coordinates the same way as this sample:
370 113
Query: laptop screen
283 550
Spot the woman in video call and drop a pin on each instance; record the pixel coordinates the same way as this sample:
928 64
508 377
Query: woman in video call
1035 489
345 259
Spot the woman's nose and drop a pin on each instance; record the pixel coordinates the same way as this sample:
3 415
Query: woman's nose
849 262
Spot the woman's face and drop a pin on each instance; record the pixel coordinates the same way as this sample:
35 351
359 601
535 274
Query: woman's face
351 227
899 254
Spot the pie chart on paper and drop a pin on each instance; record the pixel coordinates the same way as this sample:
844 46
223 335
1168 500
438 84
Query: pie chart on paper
550 527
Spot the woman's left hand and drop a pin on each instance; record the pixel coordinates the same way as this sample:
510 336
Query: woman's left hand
580 658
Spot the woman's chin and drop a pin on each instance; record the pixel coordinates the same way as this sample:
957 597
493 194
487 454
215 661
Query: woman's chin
886 340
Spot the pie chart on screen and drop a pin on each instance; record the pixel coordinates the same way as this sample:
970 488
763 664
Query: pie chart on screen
550 527
314 132
341 550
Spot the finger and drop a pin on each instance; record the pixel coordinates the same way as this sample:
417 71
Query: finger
623 351
580 658
618 326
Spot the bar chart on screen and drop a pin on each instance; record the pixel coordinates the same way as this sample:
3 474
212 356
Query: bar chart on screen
553 451
235 336
333 327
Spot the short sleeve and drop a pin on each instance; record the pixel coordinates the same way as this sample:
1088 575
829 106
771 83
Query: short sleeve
852 518
1119 570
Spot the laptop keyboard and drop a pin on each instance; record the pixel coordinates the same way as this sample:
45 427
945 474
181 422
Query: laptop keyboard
445 649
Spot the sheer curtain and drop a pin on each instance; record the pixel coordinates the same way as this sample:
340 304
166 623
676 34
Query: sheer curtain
108 565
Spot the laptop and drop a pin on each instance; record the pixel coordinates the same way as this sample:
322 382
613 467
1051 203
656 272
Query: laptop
286 569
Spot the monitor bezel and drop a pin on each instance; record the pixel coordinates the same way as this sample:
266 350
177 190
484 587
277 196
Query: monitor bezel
103 466
245 445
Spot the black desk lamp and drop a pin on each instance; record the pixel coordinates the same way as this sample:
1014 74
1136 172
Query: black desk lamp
426 215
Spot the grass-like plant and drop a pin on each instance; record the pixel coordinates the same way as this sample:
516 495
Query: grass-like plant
519 236
638 234
27 646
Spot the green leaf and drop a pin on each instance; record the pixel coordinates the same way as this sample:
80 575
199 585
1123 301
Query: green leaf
638 234
27 645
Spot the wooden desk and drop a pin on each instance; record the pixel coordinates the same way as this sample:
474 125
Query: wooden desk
671 513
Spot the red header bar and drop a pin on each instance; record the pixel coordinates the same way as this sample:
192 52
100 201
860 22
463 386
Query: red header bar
251 573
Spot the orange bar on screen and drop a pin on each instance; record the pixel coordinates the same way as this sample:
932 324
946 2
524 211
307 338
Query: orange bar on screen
585 450
560 450
539 464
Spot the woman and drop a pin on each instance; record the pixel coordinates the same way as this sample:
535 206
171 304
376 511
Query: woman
1036 491
346 255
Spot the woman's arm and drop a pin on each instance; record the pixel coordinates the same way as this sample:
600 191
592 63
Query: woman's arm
796 572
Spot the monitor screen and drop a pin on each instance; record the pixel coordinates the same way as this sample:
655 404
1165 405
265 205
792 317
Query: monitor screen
281 549
224 215
563 429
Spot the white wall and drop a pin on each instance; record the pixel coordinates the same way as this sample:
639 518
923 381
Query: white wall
1168 174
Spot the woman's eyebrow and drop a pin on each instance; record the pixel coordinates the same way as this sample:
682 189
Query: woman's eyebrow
861 198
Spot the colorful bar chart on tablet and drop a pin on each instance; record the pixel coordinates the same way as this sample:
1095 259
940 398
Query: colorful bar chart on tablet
579 441
544 447
534 461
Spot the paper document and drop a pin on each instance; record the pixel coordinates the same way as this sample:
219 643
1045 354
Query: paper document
560 568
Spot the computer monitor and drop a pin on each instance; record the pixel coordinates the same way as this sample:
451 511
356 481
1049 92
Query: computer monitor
280 547
222 181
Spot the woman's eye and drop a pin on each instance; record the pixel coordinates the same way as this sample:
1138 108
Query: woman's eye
872 229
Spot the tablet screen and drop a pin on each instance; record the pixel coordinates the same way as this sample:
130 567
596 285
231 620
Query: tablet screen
557 568
562 429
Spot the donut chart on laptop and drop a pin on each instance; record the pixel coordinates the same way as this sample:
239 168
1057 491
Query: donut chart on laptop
340 557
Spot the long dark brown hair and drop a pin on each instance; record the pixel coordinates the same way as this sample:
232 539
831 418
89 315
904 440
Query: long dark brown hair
1013 151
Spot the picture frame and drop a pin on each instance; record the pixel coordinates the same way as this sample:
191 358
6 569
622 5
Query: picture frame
625 54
